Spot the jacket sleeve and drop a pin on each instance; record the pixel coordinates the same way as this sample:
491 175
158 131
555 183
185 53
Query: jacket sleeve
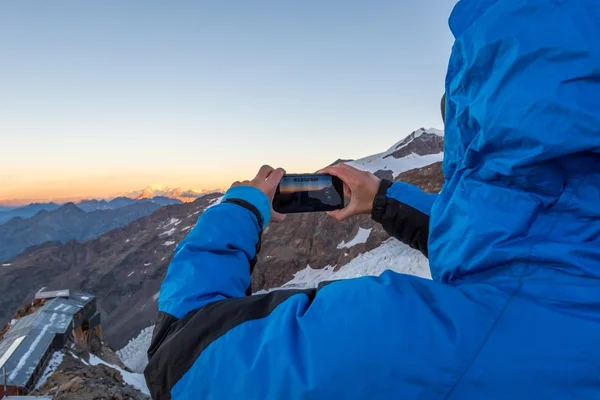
215 260
403 210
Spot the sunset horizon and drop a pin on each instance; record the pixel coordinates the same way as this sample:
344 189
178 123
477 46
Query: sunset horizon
200 96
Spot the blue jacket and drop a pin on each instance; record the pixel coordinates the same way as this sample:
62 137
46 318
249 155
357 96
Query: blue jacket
513 239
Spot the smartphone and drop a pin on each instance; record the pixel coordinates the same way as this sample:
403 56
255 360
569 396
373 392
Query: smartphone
300 193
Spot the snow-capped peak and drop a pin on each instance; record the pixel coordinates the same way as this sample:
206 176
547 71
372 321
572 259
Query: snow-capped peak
421 148
157 190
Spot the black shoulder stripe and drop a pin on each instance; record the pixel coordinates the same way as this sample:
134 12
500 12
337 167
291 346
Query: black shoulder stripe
176 346
164 322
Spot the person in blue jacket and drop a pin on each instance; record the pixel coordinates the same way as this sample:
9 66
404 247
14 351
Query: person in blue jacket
513 240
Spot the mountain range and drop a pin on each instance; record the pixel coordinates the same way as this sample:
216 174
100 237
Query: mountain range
118 202
27 211
69 222
156 193
32 209
125 267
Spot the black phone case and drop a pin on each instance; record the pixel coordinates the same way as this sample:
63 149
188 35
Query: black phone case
285 207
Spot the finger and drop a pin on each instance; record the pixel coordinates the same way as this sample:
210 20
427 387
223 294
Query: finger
347 191
341 173
264 172
349 168
277 217
276 176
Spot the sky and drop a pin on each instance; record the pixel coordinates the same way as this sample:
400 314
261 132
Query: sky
99 98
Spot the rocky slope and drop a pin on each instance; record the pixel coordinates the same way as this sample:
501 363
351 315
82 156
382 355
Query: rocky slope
76 375
66 223
125 267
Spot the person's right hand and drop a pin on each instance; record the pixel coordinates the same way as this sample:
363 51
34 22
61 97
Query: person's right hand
359 185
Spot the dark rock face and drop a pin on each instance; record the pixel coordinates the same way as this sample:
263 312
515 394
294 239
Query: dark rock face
125 267
68 222
339 161
419 142
385 174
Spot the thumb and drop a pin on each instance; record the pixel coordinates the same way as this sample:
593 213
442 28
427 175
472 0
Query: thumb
277 217
342 214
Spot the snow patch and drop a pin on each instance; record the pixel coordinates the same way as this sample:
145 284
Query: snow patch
361 237
53 364
134 354
173 221
391 255
6 265
85 298
136 380
185 228
147 264
75 356
169 243
131 273
155 296
168 233
127 241
214 202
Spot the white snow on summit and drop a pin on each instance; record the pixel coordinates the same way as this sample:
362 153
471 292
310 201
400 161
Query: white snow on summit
378 162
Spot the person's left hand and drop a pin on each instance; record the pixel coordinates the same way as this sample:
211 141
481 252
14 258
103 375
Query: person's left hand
266 181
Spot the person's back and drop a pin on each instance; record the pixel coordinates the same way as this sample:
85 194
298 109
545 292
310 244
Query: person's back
513 239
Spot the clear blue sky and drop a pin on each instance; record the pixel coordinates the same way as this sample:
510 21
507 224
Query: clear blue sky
106 96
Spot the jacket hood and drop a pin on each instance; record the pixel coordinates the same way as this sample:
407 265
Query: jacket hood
522 140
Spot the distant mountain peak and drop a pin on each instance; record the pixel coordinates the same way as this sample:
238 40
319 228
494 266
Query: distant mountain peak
69 207
161 191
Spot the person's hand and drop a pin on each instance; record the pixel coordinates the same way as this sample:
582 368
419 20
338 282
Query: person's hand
266 181
359 185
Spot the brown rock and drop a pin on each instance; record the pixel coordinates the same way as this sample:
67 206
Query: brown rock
77 381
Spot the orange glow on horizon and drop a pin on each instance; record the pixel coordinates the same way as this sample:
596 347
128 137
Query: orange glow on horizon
83 189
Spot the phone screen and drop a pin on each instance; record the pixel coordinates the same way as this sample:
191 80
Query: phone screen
308 193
